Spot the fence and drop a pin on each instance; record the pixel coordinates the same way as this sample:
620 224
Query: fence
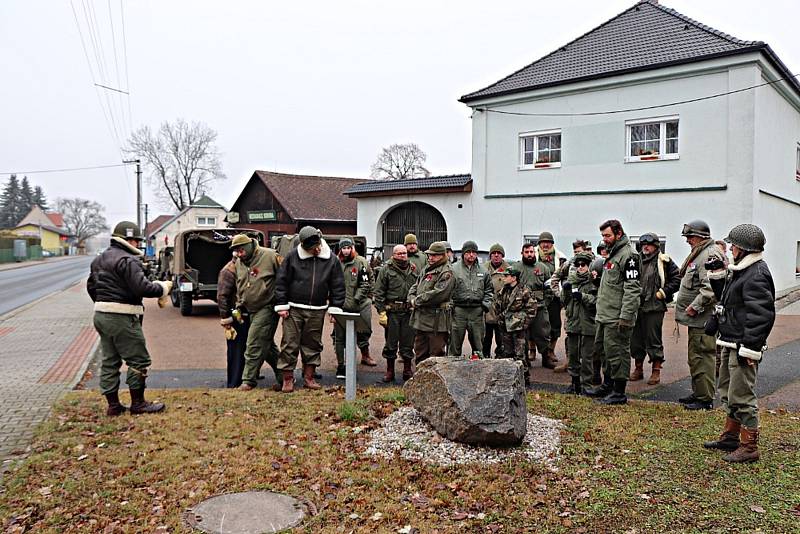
34 253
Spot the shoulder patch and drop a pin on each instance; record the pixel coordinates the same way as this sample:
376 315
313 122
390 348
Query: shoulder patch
631 269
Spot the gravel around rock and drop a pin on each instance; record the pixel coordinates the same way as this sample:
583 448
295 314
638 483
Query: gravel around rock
406 433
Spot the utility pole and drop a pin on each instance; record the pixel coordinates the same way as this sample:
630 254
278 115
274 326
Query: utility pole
138 190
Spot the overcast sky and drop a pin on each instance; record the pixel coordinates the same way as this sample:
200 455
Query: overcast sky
312 87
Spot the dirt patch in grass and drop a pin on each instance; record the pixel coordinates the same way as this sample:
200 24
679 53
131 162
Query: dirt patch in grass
638 468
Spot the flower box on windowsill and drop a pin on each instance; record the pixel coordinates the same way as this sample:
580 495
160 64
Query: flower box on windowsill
542 165
648 157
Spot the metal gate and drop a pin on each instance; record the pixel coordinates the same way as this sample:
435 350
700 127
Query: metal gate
418 218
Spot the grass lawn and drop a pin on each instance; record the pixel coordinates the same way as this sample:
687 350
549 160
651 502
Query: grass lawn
634 469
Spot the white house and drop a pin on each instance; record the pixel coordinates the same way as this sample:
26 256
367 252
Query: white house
651 118
204 213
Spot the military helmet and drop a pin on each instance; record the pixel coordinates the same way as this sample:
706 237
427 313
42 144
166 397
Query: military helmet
127 230
497 247
696 228
747 237
240 240
513 271
437 247
546 236
582 257
649 239
448 246
469 246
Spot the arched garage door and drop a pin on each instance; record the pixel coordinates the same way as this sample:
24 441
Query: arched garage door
418 218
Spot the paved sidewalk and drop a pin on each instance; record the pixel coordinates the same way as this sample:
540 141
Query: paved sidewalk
44 348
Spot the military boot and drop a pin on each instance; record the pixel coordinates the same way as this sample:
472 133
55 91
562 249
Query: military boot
408 371
600 391
617 396
288 381
561 368
655 374
597 366
366 359
388 377
748 447
549 359
308 377
114 406
575 387
729 439
139 405
638 371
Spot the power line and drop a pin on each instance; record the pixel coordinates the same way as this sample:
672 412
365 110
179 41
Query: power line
644 108
69 170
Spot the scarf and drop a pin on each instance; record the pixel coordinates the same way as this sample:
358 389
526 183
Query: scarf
693 254
650 279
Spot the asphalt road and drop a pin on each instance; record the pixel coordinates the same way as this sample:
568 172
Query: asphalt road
26 284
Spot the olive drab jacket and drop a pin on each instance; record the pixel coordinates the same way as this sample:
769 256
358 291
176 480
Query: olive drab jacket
620 290
430 297
357 283
514 307
255 279
580 314
536 277
695 289
496 278
392 285
473 287
419 260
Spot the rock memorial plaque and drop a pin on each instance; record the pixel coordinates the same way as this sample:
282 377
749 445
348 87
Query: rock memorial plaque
480 402
252 512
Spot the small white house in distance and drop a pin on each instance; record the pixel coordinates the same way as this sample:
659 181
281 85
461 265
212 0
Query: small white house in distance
651 118
203 213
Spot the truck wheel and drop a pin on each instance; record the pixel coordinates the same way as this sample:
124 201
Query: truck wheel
186 303
175 295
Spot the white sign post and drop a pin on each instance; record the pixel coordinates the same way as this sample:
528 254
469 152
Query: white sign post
348 320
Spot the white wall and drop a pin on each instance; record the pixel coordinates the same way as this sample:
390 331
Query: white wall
187 221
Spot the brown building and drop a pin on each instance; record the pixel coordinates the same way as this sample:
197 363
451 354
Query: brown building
278 203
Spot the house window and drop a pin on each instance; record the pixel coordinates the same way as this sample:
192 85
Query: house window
797 164
797 261
652 139
540 150
206 221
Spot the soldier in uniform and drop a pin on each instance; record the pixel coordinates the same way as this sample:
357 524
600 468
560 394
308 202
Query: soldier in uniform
430 299
744 320
514 308
496 267
660 281
561 275
414 255
357 287
256 269
693 307
117 285
309 281
579 296
236 331
553 259
617 306
472 297
394 312
534 275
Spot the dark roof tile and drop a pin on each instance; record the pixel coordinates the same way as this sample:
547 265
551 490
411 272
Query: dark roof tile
309 198
431 182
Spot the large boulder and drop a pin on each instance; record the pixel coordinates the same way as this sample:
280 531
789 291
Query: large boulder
480 402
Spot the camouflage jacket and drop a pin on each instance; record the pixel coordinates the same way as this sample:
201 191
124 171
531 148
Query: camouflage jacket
620 290
496 277
514 307
580 315
392 286
430 297
357 283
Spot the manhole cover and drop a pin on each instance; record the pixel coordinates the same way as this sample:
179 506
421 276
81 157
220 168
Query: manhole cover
251 512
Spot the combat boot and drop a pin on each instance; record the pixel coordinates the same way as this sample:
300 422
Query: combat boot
575 387
388 377
308 377
549 359
600 391
561 368
114 406
139 405
597 366
288 381
655 374
408 371
748 447
638 371
729 439
617 396
366 359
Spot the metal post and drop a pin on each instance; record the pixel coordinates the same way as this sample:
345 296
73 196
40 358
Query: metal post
138 163
350 360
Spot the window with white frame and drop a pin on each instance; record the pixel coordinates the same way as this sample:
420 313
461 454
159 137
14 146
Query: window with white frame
797 164
652 139
206 221
540 150
797 261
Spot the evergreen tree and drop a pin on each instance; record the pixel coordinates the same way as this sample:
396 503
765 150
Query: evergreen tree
39 199
9 203
25 198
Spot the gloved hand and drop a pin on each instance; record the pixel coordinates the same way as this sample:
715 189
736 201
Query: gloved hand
577 295
230 333
714 264
624 324
383 319
566 287
660 295
166 287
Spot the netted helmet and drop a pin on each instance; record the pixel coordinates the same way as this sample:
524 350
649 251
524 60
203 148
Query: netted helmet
748 237
127 230
696 228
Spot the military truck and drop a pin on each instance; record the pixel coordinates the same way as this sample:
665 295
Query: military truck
197 258
284 244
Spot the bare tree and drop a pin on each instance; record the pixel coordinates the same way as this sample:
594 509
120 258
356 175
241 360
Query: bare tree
399 162
181 160
83 218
